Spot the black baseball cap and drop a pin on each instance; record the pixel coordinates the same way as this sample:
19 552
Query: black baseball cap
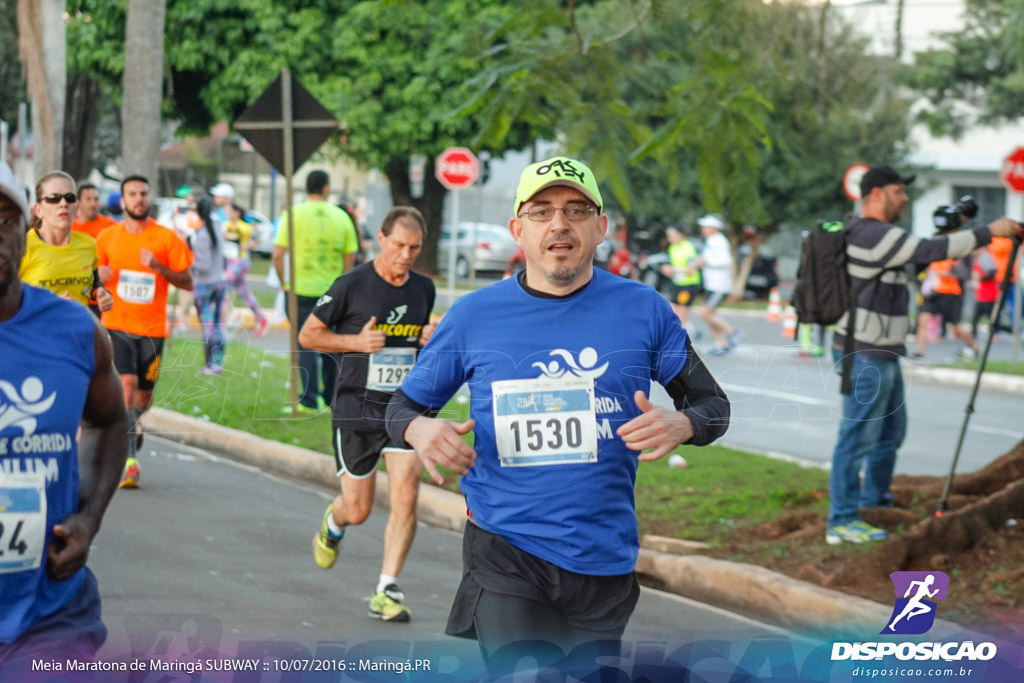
880 176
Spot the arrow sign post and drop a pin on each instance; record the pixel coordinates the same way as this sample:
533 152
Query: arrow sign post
285 125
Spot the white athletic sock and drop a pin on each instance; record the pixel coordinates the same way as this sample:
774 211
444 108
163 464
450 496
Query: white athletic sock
385 581
332 526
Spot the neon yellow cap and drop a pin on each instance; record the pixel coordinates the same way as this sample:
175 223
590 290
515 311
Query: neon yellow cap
557 171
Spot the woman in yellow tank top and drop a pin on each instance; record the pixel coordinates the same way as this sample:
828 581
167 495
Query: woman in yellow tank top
55 257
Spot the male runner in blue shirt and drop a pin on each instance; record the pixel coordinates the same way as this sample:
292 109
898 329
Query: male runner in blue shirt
559 361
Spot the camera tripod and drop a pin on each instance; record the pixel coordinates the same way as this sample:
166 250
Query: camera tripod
942 505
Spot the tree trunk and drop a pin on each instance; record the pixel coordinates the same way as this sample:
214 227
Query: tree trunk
142 88
431 205
81 118
41 42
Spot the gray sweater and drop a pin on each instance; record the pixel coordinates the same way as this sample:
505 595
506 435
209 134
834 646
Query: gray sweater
208 267
875 247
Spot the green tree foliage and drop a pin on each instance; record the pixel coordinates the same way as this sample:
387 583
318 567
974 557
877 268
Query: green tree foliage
393 71
12 82
834 105
978 73
737 106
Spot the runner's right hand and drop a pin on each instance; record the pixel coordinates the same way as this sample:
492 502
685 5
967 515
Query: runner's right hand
369 339
439 442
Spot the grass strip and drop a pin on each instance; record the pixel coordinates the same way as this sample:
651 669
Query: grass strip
720 490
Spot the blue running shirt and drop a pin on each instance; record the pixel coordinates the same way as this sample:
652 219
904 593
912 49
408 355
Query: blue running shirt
45 370
538 481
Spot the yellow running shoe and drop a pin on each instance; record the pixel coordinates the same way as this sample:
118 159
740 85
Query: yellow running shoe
386 607
326 544
130 479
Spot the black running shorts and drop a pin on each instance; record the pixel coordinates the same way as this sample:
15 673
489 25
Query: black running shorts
357 453
596 605
947 306
137 355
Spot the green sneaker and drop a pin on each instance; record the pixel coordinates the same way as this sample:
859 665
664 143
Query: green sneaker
385 605
299 409
326 544
854 532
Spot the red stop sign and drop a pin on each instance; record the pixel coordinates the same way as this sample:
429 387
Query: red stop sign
1012 174
456 167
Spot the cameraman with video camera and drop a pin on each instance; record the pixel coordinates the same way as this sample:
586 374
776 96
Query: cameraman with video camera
943 285
874 419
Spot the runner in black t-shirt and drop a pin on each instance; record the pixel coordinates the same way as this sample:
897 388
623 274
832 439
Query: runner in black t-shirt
376 316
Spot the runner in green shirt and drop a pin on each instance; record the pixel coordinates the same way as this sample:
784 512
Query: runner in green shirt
685 275
325 247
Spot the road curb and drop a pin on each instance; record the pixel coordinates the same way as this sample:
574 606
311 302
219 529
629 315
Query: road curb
743 588
992 381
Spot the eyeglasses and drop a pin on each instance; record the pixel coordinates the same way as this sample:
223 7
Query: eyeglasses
69 197
573 212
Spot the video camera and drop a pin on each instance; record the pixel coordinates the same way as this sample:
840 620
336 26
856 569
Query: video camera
952 217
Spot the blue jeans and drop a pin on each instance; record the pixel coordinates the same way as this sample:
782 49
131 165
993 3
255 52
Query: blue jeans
313 363
209 302
871 431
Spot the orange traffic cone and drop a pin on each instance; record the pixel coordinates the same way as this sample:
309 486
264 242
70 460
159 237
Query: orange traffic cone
789 323
774 306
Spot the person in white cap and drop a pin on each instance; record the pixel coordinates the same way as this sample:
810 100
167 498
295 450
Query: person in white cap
223 195
60 485
559 361
715 263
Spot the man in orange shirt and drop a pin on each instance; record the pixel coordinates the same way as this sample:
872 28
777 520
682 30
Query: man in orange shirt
943 291
89 219
138 259
1001 248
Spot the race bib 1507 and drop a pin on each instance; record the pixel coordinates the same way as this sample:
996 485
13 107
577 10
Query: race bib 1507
136 287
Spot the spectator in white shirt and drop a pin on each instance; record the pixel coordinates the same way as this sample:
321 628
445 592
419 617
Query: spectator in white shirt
715 263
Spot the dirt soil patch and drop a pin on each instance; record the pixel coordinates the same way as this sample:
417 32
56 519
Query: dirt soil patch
978 542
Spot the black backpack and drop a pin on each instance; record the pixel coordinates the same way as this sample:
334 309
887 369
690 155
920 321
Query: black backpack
823 292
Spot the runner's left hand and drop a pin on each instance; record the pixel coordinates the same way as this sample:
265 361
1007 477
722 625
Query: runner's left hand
69 549
104 299
655 428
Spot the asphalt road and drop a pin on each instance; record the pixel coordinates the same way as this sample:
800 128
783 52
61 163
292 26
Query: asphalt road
783 403
211 558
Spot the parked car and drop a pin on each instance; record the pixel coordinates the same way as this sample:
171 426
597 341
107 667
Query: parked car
494 248
262 234
516 263
764 276
649 272
614 257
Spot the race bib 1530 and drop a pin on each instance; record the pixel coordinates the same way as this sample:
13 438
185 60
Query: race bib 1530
545 421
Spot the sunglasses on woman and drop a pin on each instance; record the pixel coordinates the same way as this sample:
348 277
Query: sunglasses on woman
69 197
